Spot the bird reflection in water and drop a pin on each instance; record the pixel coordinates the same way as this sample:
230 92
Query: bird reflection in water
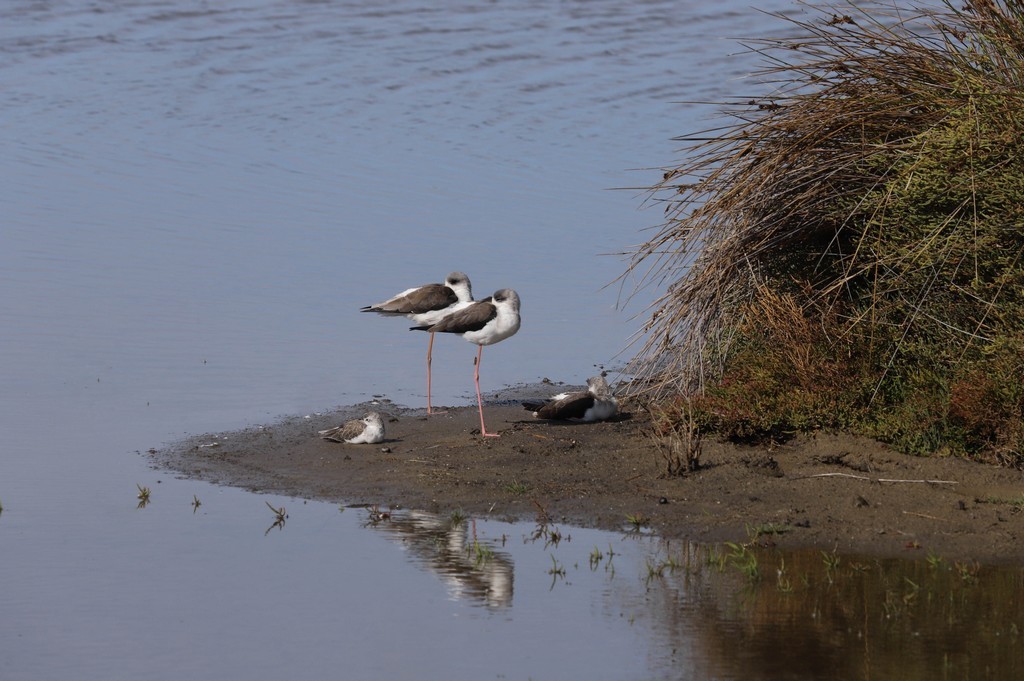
470 569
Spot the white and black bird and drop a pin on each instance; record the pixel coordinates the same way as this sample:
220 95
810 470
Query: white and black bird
485 322
597 403
367 430
428 304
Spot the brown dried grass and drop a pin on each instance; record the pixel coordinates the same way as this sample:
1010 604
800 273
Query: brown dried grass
793 192
866 217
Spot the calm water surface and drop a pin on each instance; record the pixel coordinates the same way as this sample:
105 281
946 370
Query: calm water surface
195 199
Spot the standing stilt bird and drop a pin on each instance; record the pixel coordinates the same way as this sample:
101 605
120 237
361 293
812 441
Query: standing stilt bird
486 322
428 304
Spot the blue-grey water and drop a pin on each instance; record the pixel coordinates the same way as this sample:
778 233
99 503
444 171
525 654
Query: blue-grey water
195 199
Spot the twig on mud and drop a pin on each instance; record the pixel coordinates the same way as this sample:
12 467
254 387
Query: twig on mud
542 515
922 515
864 477
434 463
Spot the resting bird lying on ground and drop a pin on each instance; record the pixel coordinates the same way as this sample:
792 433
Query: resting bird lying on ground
367 430
597 403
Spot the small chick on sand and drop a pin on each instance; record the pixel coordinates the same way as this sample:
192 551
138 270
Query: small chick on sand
367 430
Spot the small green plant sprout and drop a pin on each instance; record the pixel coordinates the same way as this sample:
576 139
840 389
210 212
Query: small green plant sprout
552 535
516 488
280 516
595 558
967 571
744 560
196 503
715 558
555 537
545 528
143 496
754 532
655 569
556 571
891 606
481 552
638 521
672 563
609 567
935 561
831 560
910 595
457 517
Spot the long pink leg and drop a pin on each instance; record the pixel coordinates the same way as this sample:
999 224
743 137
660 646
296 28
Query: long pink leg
430 349
479 400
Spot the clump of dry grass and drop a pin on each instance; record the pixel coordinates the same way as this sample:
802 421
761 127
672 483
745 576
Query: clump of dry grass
851 243
677 438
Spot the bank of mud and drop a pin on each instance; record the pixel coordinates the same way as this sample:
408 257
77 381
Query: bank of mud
829 491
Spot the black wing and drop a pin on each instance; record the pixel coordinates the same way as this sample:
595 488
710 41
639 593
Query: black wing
472 318
423 299
572 406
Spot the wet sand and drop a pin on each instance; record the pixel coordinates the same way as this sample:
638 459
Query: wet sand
829 491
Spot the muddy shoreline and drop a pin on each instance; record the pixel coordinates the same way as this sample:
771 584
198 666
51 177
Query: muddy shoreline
827 491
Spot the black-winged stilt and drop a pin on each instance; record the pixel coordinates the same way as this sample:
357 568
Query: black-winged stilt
367 430
597 403
486 322
426 305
